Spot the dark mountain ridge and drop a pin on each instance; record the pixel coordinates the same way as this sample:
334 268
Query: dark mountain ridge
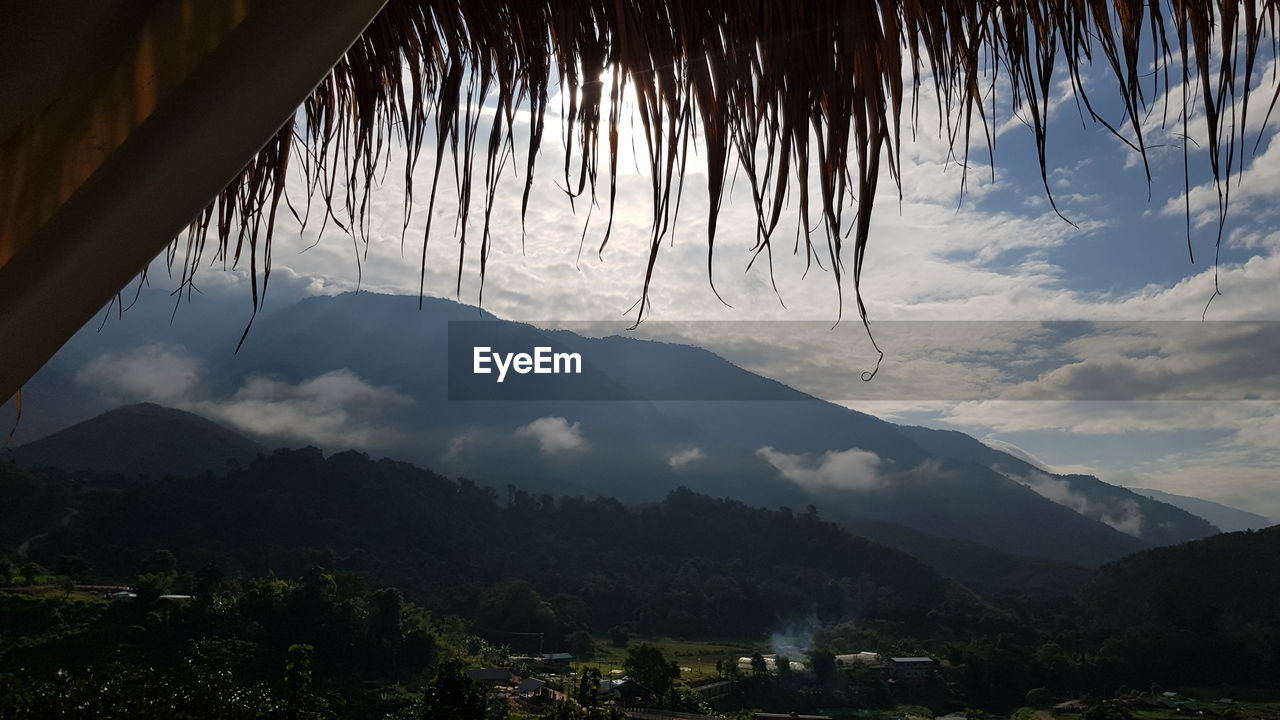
140 440
977 566
626 448
1152 521
1224 517
672 567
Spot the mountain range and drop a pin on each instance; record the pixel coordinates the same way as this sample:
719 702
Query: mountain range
1226 518
371 371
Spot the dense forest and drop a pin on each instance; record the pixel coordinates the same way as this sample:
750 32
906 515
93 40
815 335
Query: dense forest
688 566
283 558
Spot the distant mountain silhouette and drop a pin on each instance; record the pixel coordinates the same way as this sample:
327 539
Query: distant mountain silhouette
143 439
387 341
150 440
1201 612
674 566
1228 580
1227 518
977 566
1154 521
625 446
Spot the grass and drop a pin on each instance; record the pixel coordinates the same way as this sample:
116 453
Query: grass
53 591
699 657
898 712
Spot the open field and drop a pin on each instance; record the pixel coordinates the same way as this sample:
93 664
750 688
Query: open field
700 657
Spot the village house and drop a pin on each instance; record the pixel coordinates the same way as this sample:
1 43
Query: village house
491 676
715 693
551 662
771 663
626 692
863 659
534 688
911 669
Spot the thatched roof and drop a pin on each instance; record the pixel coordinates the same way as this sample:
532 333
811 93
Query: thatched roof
782 93
804 101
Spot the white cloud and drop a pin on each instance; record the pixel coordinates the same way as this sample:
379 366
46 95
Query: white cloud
1106 418
458 444
555 435
337 409
157 373
1224 477
851 469
1260 431
1001 255
1238 468
1254 189
1124 515
1173 361
1004 446
684 458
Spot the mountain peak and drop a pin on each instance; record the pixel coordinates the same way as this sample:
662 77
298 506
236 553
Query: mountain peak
140 439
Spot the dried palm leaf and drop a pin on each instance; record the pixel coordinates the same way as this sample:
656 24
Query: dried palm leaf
777 90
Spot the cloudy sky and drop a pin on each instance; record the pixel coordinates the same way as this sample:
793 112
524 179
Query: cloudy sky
976 300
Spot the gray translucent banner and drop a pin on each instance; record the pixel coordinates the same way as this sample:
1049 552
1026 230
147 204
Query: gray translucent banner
923 361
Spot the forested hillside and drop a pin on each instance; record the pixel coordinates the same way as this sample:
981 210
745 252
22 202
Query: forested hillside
569 571
689 565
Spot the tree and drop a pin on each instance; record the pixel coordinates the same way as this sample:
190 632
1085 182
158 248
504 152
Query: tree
579 643
1108 710
758 665
783 664
160 562
30 571
823 665
207 580
1039 697
454 696
516 606
386 610
72 566
386 624
646 665
684 699
151 586
588 695
299 700
618 636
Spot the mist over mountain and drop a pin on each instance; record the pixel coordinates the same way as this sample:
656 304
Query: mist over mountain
1227 518
1139 515
369 372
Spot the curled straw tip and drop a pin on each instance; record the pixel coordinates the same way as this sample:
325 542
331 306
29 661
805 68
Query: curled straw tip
795 97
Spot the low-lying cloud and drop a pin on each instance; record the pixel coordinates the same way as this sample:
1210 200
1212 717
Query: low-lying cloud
685 458
851 469
336 409
1008 447
1123 515
555 435
159 373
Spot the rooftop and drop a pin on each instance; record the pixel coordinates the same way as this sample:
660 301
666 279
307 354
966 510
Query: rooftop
489 674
